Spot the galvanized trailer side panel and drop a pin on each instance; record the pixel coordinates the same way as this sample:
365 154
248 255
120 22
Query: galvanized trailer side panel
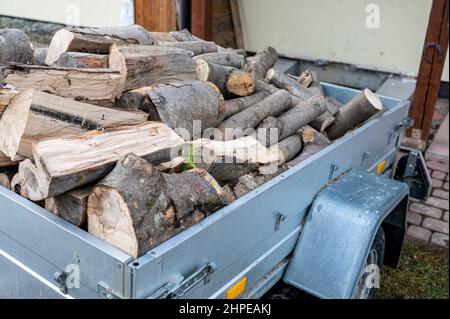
240 238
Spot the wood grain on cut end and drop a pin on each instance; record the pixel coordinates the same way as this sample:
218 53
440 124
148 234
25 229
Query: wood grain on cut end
241 84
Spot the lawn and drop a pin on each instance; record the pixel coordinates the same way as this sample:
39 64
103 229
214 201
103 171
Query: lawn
423 274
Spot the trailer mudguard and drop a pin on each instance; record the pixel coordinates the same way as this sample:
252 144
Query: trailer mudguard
339 230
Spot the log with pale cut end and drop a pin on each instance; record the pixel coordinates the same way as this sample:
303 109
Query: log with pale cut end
135 208
288 148
196 47
15 46
69 162
138 99
360 109
94 40
230 159
95 86
309 79
228 58
259 64
39 56
282 81
143 65
71 206
230 81
82 60
179 104
300 115
312 136
251 117
34 115
235 106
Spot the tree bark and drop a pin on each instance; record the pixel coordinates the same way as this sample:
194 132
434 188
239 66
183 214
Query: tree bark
95 86
180 104
35 115
251 117
228 58
282 81
230 81
15 46
146 65
299 116
71 206
151 207
63 164
310 80
5 161
82 60
94 40
162 36
262 86
235 106
196 47
261 63
308 151
288 148
354 113
311 136
39 56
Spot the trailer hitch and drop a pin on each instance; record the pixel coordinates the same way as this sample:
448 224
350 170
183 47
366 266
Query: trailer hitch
179 287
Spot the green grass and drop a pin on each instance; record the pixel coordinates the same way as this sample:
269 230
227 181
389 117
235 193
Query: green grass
423 274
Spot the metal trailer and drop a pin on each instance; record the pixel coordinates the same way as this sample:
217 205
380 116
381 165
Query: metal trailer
312 227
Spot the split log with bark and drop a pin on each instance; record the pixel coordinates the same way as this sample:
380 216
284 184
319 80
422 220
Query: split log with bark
196 47
228 58
69 162
34 115
15 46
259 64
7 94
71 206
95 86
82 60
230 159
135 208
355 113
143 65
94 40
229 80
251 117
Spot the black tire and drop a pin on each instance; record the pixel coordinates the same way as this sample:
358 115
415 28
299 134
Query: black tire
376 256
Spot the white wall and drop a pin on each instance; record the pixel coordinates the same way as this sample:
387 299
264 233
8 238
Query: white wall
85 12
336 30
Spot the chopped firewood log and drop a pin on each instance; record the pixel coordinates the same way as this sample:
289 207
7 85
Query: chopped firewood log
299 116
311 136
282 81
360 109
143 65
34 115
7 94
15 46
6 177
69 162
230 81
228 196
228 58
261 63
196 47
82 60
288 148
310 80
228 160
184 35
136 208
71 206
179 104
308 151
5 161
162 36
251 117
235 106
39 56
138 99
248 183
95 86
94 40
262 86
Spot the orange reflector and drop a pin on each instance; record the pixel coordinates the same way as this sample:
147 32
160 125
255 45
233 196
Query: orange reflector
237 289
381 167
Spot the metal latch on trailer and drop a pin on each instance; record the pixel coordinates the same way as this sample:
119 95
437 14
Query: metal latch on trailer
180 286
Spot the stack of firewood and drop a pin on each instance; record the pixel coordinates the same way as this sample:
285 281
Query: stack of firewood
108 127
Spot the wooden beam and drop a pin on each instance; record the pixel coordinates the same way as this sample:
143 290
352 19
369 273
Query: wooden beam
202 24
156 15
431 68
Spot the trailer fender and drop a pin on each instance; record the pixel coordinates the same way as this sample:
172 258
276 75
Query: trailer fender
339 230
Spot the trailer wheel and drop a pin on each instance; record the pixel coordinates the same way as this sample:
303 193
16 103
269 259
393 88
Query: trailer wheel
366 287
